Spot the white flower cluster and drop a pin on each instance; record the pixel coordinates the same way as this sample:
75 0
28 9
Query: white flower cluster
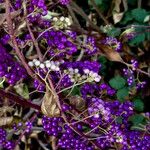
51 65
93 76
88 75
74 75
62 22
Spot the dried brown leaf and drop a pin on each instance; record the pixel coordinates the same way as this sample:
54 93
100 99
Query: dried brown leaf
78 102
5 121
112 55
117 16
49 105
117 5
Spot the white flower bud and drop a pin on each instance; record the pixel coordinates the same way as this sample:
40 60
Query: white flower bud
65 71
72 80
37 63
34 60
62 18
71 70
55 19
48 65
97 79
53 67
76 70
42 66
57 63
78 75
91 73
84 77
94 75
86 71
68 21
30 63
47 61
57 69
96 116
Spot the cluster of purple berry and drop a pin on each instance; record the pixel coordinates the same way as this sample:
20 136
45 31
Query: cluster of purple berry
92 89
52 126
129 73
9 68
59 43
4 143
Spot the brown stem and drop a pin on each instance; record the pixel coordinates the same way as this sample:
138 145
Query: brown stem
40 56
19 100
73 16
143 72
99 12
35 42
13 38
79 11
54 147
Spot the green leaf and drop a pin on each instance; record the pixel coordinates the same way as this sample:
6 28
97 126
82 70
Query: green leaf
99 2
114 32
137 119
127 17
117 82
122 94
138 105
137 40
22 90
139 14
132 2
102 4
75 91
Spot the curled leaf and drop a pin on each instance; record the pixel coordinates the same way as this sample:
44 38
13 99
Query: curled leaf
49 106
112 55
5 121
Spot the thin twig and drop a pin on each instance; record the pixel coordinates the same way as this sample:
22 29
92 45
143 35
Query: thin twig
99 12
35 42
13 38
79 11
19 100
73 16
81 55
139 3
40 56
